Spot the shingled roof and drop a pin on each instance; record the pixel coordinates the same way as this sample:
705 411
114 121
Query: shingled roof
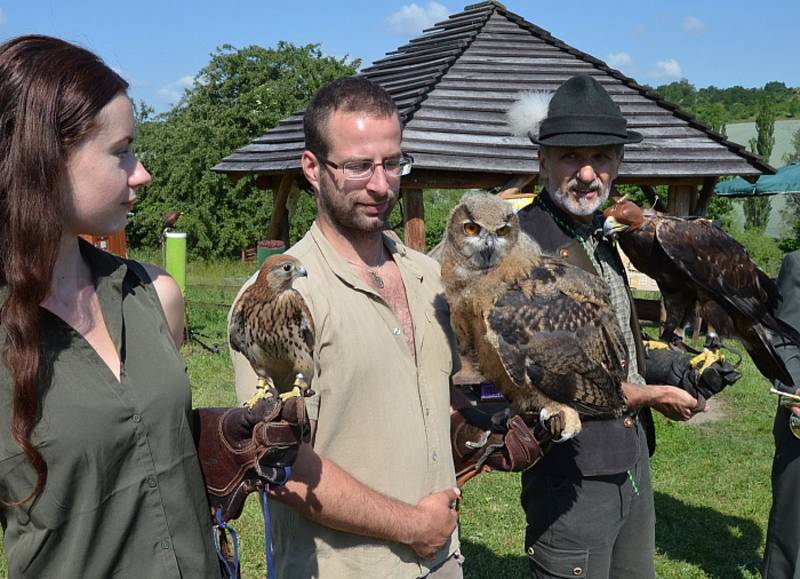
454 84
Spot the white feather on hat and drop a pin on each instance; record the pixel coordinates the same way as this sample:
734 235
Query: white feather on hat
527 113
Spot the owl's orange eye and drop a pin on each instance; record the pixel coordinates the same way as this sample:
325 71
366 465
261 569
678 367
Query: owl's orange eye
503 231
472 228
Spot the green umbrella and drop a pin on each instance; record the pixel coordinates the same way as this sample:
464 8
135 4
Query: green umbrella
785 180
736 187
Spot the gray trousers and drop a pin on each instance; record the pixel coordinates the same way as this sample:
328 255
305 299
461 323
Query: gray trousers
783 534
452 568
594 527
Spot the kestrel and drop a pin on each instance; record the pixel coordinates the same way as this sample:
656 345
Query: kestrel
272 327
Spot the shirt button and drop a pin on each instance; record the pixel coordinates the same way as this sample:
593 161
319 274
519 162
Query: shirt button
628 422
136 418
434 456
165 545
531 551
151 480
577 571
396 331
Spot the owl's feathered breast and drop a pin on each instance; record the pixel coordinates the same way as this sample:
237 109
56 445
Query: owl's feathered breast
539 324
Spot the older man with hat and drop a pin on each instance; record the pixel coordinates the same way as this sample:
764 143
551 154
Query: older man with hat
589 502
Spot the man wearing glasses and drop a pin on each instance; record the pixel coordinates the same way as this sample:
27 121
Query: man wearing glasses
375 496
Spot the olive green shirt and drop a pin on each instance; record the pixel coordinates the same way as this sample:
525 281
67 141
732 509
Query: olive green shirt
381 417
124 495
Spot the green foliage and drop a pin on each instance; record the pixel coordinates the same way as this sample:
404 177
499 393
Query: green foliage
757 209
438 204
765 127
764 251
712 105
793 156
239 95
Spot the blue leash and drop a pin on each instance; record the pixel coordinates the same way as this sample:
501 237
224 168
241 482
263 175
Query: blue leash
262 497
222 527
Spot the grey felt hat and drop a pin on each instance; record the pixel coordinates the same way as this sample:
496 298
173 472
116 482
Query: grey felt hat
580 114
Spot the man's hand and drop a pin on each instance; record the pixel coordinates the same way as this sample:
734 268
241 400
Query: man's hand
436 519
243 449
483 442
672 402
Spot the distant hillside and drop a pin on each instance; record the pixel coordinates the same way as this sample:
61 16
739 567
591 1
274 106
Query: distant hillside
721 106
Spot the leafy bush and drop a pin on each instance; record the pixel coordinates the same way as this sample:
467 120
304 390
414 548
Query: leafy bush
239 95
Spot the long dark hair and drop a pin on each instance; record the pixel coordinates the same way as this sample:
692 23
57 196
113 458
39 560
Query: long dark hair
50 95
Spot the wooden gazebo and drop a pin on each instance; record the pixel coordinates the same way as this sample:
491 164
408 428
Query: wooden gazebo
453 86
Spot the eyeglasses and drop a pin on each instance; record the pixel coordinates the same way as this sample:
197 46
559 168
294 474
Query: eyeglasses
360 170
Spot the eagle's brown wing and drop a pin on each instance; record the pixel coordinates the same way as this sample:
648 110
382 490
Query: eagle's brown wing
556 332
719 265
723 270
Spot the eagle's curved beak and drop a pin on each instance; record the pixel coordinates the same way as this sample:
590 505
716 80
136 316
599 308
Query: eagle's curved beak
301 272
611 227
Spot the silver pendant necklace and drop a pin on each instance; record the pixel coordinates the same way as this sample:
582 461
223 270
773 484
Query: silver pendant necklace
377 280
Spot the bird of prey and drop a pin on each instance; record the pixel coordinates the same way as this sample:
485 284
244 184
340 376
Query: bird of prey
693 261
169 222
543 331
170 219
272 327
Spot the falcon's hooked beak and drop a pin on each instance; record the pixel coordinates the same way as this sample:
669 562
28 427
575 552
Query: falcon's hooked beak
488 250
612 227
301 272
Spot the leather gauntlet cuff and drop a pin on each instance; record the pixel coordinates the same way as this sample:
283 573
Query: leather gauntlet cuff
243 449
483 442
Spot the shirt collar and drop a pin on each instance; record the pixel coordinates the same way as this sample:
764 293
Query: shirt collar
345 271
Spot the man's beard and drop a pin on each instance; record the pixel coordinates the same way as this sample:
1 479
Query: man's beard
580 205
343 217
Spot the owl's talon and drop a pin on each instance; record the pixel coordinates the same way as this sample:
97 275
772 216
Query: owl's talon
562 421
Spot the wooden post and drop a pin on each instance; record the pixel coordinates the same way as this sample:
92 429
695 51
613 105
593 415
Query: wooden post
279 223
681 200
706 193
414 219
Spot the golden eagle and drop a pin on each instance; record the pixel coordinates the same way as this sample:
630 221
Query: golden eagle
694 261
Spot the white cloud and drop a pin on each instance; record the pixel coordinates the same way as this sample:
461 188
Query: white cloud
173 92
411 19
693 24
667 69
620 60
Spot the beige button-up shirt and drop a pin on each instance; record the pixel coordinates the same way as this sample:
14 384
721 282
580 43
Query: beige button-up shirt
381 417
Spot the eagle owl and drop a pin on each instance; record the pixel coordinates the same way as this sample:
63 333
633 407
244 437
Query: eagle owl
272 327
541 330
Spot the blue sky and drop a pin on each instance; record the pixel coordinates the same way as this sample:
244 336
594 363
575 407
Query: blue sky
160 45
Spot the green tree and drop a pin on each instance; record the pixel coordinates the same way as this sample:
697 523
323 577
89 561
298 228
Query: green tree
757 209
238 96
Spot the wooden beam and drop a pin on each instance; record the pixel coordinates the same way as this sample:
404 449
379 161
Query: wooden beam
266 181
414 218
279 223
680 201
706 193
652 198
515 185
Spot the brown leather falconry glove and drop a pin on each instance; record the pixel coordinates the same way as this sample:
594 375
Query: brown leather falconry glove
483 442
243 449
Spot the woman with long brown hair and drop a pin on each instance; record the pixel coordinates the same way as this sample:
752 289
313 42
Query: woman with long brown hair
99 475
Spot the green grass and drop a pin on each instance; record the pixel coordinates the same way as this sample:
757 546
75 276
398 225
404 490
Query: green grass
711 481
